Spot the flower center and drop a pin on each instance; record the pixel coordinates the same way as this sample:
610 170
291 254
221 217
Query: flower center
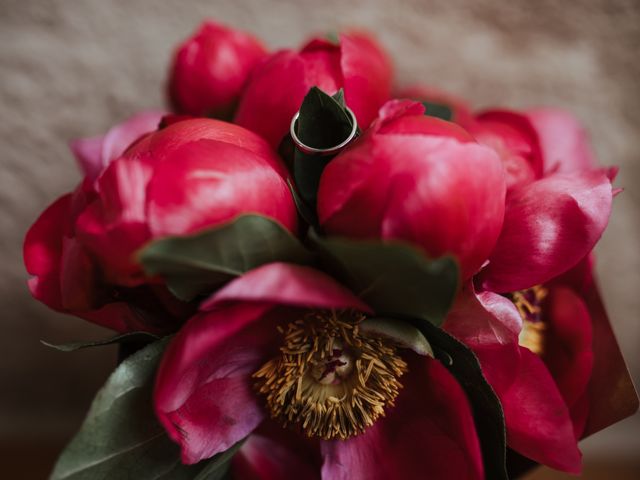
330 380
529 304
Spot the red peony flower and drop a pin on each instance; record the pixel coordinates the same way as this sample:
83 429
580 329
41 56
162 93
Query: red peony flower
277 87
282 354
420 179
191 175
211 68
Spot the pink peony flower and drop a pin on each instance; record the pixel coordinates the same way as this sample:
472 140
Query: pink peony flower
277 87
211 68
279 354
189 176
419 179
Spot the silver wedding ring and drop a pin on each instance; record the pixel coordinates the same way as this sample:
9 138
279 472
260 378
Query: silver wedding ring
322 151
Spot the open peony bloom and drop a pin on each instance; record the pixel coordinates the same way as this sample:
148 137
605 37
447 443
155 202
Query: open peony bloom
278 85
537 417
282 355
535 348
420 179
211 68
189 176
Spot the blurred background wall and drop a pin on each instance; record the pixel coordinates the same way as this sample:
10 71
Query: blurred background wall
73 68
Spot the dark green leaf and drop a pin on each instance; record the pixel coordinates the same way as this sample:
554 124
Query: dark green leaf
439 110
196 264
121 438
131 337
307 214
393 278
400 332
323 123
487 411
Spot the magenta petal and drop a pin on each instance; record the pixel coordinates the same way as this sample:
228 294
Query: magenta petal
287 284
96 153
549 226
203 394
273 94
429 434
417 188
537 419
564 142
88 153
264 458
209 182
120 137
437 203
42 252
367 74
114 227
483 319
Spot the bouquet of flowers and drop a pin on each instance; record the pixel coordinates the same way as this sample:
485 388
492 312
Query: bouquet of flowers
313 275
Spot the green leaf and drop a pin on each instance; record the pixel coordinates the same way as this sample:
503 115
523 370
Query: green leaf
323 123
199 263
308 215
393 278
131 337
121 438
439 110
487 410
400 332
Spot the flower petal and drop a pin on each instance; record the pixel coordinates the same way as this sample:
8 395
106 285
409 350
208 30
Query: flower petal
287 284
42 252
418 189
367 74
272 96
203 395
278 454
536 416
209 182
568 345
549 226
165 142
88 153
485 318
564 142
515 140
95 153
114 226
430 433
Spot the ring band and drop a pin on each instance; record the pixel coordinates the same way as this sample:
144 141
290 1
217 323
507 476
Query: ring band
322 151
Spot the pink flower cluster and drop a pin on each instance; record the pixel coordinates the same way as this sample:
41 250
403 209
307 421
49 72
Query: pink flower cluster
514 196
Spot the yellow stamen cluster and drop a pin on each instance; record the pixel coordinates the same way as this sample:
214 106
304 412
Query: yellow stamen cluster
330 381
528 303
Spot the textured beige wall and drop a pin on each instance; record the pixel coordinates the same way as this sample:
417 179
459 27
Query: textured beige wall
72 68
